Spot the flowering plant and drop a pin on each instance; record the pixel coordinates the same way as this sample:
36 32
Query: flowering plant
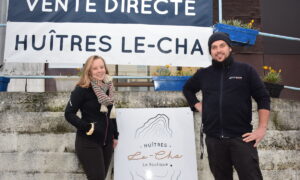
239 23
167 70
271 76
79 71
163 71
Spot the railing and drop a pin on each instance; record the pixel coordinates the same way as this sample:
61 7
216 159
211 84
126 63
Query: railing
117 84
278 36
74 77
292 88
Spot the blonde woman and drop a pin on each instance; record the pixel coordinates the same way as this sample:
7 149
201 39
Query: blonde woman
97 132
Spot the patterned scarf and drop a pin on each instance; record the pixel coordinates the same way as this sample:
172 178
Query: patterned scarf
100 88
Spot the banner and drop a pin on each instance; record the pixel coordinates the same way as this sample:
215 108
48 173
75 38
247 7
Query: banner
155 143
137 32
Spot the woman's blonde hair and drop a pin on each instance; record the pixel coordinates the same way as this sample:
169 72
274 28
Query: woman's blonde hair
85 78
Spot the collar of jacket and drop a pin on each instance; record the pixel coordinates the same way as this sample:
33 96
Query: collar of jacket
226 63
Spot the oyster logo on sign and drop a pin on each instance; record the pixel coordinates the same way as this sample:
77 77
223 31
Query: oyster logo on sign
158 126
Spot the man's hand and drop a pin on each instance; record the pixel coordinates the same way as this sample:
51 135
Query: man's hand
256 136
259 133
198 106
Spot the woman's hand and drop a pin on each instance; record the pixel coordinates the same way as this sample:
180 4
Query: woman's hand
198 106
115 143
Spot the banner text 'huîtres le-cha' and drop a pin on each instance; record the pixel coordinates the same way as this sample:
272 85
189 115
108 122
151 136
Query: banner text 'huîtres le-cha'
140 32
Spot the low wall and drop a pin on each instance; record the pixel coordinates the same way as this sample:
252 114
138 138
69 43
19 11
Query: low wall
37 143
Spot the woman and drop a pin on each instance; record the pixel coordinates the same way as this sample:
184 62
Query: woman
97 132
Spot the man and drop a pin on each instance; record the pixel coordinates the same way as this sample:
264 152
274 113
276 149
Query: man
227 87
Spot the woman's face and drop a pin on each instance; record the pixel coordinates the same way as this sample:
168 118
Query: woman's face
98 70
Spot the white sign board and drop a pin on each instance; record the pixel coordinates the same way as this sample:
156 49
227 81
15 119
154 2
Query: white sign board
155 144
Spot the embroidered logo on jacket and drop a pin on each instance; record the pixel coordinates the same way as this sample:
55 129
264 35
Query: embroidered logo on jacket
236 77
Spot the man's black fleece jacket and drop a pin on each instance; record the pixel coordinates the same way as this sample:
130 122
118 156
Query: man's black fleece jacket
227 88
85 100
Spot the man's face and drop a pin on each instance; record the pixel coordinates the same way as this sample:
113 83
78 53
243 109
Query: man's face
220 50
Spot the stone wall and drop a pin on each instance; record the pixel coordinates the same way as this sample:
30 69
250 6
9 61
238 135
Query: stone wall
37 143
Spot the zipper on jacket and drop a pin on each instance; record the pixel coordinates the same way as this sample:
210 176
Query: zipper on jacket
106 129
221 101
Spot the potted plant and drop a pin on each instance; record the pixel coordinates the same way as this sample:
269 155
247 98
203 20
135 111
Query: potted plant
272 80
167 80
4 83
240 33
